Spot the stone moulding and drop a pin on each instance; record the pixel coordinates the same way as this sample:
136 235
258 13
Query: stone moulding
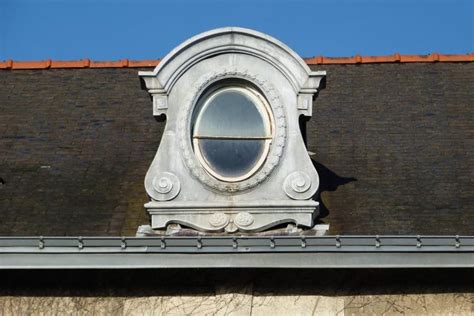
246 217
162 79
276 149
280 191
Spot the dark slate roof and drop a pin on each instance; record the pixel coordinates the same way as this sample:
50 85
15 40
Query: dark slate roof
393 145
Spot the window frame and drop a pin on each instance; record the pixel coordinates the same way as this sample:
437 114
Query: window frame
263 107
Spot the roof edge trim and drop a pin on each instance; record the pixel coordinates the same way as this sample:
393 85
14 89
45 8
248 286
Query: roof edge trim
105 260
345 251
317 60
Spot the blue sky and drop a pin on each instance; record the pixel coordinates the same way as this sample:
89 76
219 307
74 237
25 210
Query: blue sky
144 29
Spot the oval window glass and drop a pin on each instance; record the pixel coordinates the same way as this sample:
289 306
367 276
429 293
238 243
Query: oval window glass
232 132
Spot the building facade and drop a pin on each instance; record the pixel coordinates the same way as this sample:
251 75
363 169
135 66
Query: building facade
390 138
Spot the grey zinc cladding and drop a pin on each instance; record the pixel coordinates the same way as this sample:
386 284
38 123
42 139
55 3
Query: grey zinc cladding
237 252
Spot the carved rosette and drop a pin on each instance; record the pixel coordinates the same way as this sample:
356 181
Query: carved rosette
276 149
297 186
231 223
243 219
219 220
166 186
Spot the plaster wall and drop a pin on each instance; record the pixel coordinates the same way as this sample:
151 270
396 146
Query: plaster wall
239 292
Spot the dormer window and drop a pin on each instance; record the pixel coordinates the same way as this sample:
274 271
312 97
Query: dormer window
232 131
232 157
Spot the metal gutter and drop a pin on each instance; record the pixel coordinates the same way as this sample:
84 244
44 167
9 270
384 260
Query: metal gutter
237 252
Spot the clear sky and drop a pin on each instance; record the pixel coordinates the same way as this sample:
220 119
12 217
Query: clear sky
145 29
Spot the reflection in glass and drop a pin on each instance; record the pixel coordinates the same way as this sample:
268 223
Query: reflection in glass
231 158
231 113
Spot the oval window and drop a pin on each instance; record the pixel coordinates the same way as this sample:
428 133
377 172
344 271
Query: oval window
232 132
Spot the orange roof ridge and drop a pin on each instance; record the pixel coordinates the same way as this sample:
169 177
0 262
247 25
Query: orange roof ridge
318 60
395 58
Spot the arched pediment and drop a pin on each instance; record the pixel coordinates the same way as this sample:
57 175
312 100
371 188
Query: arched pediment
230 40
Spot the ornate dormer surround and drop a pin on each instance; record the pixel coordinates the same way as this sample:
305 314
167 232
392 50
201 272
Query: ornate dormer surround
232 157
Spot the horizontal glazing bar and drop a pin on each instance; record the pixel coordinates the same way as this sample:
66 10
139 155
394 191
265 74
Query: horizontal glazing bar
232 137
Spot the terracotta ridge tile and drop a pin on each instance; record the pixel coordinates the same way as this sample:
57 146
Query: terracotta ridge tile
434 57
317 60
